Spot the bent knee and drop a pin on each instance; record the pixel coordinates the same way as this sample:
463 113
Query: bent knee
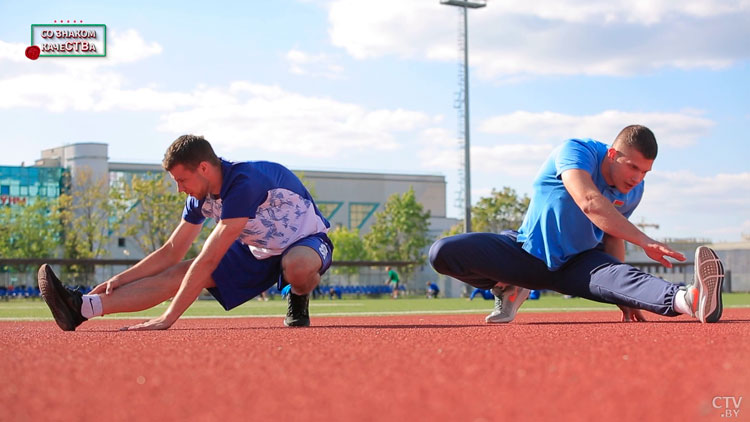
294 274
300 265
438 254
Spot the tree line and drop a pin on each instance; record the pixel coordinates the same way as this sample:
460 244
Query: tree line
88 217
400 231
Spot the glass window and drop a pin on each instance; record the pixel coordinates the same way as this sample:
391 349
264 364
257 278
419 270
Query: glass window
329 209
4 190
359 213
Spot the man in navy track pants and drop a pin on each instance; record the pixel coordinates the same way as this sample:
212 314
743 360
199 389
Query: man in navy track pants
572 239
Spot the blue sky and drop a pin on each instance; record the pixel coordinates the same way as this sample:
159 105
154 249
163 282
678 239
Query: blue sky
369 86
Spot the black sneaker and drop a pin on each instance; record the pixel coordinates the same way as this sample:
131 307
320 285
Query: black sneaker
298 312
64 303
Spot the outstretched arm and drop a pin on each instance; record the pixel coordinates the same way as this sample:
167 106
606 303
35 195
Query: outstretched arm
604 215
166 256
198 275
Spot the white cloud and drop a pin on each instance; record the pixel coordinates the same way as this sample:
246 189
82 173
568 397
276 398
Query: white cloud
271 119
439 137
706 206
672 129
14 52
684 190
522 140
82 83
745 229
514 37
513 159
241 115
128 46
84 91
316 65
518 160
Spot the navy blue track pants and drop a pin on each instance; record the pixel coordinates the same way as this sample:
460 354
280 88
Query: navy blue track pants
485 259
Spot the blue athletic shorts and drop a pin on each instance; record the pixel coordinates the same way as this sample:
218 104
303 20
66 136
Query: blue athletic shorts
240 276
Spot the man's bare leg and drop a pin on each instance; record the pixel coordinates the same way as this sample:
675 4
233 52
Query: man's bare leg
300 267
146 292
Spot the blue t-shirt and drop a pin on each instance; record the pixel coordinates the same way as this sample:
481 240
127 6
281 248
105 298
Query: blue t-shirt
554 228
280 209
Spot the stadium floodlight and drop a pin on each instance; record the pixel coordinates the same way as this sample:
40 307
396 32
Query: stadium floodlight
467 161
469 4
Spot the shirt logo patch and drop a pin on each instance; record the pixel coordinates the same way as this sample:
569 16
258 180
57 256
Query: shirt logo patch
323 248
618 203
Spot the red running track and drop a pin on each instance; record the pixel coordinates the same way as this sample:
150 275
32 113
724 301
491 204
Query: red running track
543 366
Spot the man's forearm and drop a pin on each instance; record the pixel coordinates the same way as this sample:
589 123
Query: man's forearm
197 277
604 215
615 247
154 263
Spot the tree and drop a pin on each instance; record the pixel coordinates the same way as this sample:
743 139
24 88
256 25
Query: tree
85 212
149 209
502 210
348 246
29 231
400 230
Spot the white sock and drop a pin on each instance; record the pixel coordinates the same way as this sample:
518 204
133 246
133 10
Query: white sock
679 303
91 306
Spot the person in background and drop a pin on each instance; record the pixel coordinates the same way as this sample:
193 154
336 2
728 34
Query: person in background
393 281
432 290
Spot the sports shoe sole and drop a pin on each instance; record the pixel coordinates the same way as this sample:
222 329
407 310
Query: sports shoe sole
517 302
300 323
709 275
56 304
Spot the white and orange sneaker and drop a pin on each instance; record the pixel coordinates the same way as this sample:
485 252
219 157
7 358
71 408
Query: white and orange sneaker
704 295
507 301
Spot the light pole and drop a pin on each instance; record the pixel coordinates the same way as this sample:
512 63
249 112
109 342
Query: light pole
467 150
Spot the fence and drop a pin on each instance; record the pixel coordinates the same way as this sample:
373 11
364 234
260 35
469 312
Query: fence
370 273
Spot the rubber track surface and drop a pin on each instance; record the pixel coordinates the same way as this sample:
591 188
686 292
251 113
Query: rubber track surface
543 366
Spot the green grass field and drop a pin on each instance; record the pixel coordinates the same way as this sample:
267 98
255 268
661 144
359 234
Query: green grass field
36 309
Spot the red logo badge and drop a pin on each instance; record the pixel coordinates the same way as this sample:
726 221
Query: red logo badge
33 52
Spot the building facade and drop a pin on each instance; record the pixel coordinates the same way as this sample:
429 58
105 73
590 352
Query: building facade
348 199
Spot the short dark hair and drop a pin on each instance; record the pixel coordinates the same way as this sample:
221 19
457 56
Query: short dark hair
190 151
639 137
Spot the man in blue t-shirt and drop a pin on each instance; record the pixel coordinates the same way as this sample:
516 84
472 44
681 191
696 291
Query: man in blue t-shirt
572 239
268 230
